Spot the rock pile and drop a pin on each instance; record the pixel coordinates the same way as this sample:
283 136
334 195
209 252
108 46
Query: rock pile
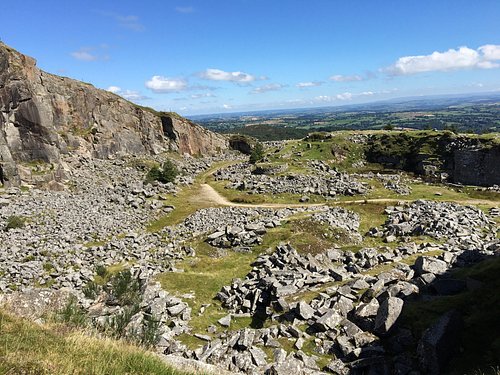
461 225
98 219
283 273
329 184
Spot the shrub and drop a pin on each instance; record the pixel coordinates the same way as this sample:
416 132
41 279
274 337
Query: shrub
91 290
257 153
101 271
73 314
118 323
124 289
14 222
167 173
150 332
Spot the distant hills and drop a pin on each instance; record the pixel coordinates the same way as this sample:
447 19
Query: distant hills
476 113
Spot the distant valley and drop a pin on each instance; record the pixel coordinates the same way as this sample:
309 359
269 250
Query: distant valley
478 113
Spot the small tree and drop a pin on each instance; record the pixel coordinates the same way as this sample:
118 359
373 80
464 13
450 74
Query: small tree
167 173
257 153
388 127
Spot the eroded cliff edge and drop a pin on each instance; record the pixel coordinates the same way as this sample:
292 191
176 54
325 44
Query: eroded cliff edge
44 116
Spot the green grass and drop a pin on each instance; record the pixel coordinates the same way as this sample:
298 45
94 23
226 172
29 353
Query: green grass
28 348
204 276
237 196
310 237
187 201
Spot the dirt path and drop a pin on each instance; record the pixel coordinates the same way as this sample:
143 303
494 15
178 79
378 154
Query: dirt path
208 194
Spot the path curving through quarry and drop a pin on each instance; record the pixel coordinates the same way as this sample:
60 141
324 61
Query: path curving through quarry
208 194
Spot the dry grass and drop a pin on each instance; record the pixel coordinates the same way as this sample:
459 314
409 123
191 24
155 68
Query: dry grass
28 348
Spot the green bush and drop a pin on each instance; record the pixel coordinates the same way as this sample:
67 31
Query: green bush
257 153
91 290
150 334
73 314
124 289
101 271
117 324
14 222
167 173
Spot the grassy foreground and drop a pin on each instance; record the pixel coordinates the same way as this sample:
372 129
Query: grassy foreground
28 348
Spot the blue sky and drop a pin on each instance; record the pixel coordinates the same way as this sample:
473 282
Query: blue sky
211 56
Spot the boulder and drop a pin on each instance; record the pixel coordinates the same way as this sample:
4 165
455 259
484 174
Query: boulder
439 342
328 321
430 265
304 311
387 314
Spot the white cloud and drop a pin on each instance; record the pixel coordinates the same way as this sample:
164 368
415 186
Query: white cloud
84 54
328 99
345 96
490 52
160 84
114 89
98 53
204 95
133 95
485 57
127 94
184 9
267 88
130 22
303 85
226 106
220 75
342 78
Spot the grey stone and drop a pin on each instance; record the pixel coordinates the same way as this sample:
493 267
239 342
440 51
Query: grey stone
225 321
304 310
430 265
439 342
328 321
387 314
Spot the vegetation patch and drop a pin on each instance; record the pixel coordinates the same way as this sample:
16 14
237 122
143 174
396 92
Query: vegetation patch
167 173
14 222
56 349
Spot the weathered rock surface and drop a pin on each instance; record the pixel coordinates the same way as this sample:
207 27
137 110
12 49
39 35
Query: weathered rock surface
387 314
458 158
439 343
44 116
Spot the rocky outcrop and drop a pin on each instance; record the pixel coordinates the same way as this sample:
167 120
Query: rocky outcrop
459 158
44 116
477 166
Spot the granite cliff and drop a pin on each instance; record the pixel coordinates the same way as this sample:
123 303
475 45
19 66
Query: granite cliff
44 116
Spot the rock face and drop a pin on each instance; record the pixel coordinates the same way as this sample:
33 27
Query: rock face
477 166
44 116
439 342
462 159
